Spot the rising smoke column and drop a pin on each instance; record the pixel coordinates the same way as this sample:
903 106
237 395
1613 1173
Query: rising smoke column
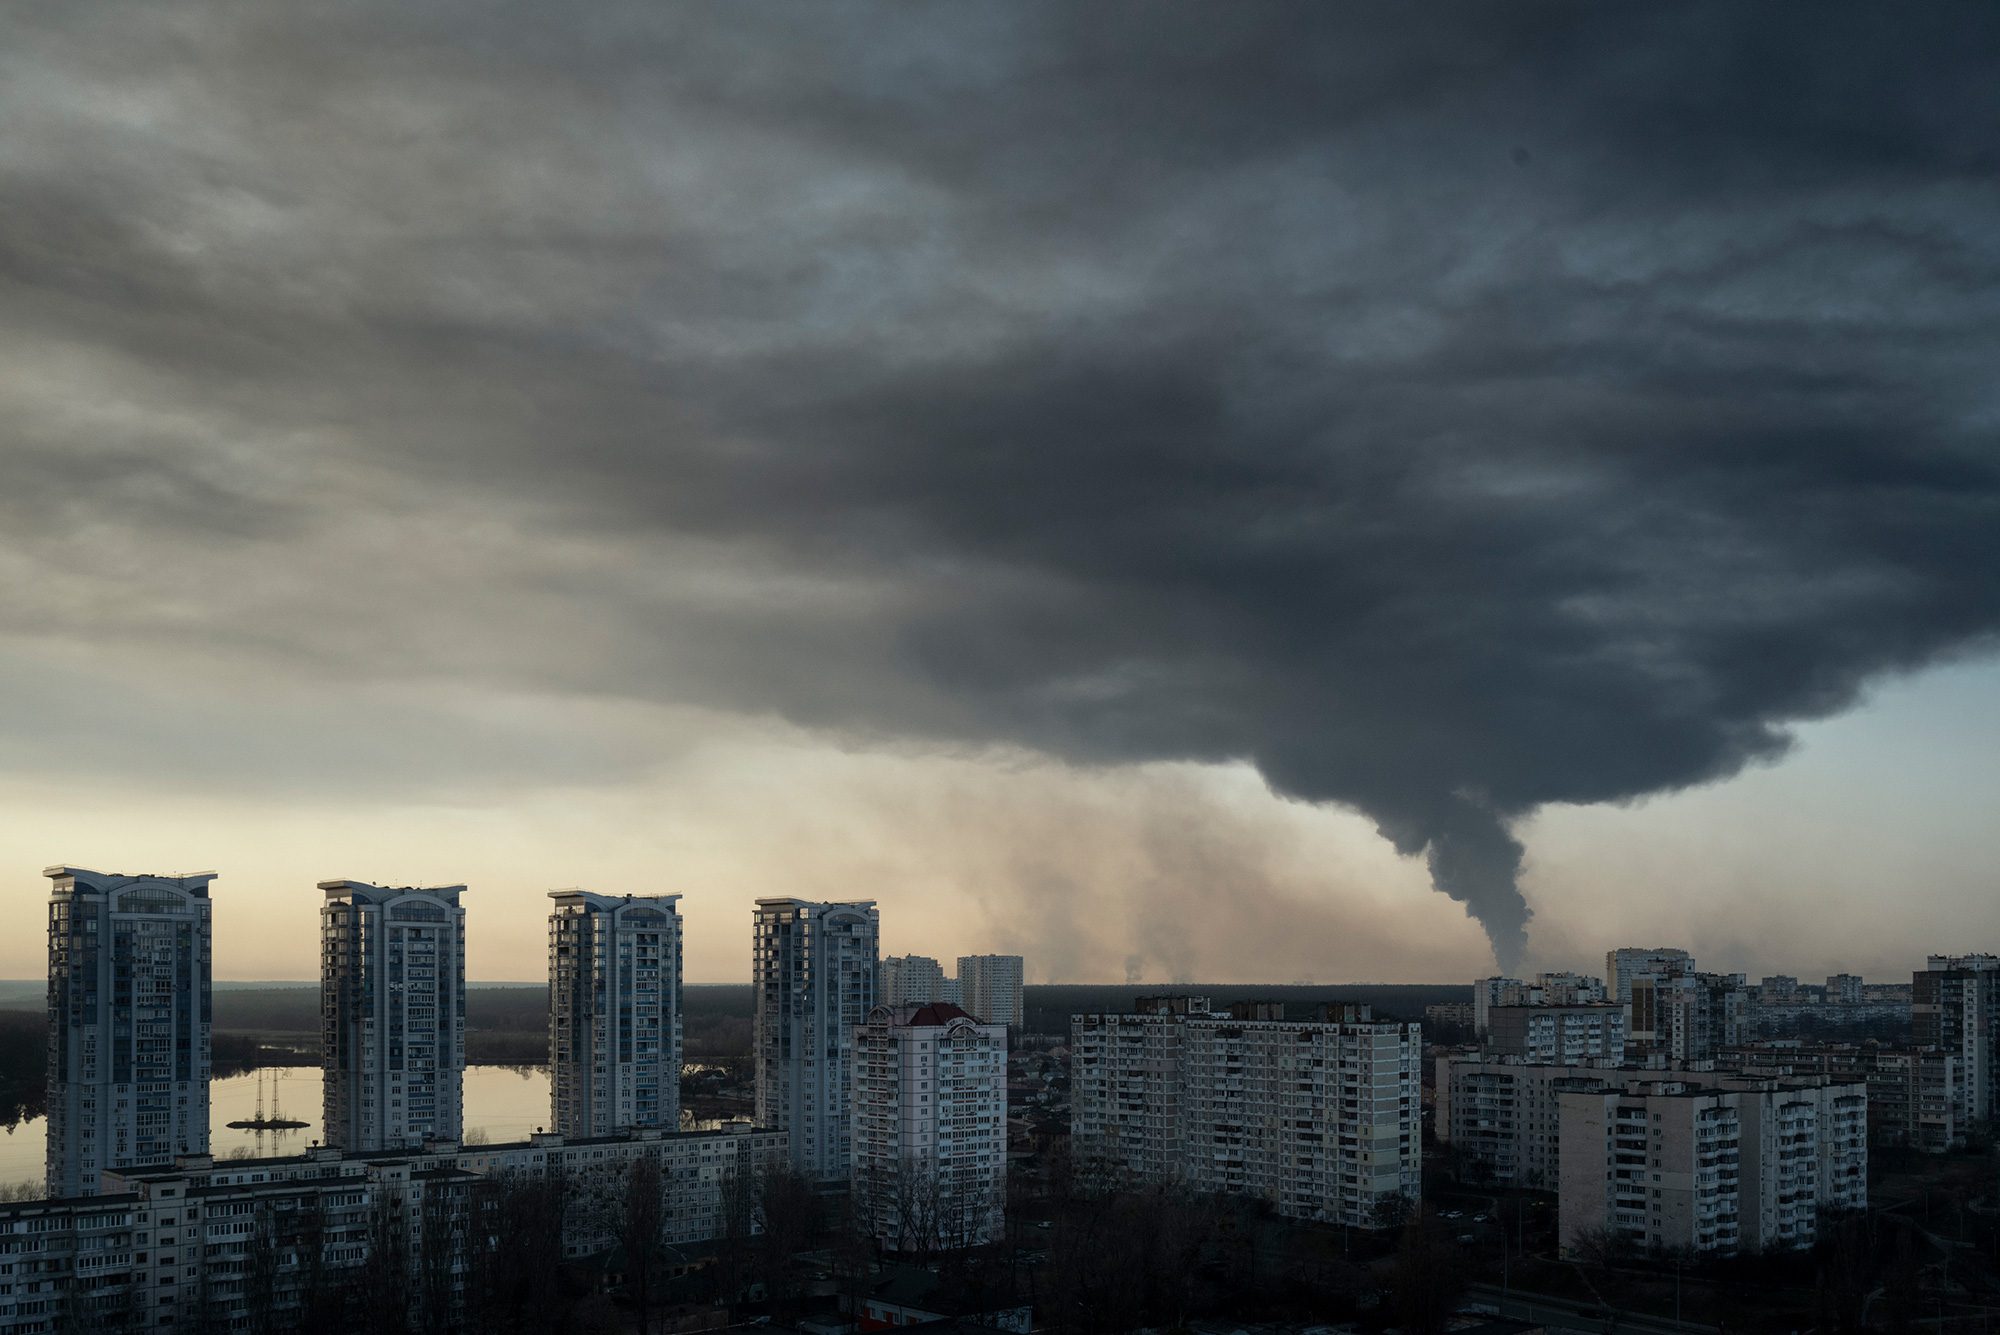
1448 412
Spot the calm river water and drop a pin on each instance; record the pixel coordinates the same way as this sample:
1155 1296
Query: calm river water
501 1102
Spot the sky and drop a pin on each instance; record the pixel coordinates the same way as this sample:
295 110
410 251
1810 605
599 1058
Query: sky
1248 492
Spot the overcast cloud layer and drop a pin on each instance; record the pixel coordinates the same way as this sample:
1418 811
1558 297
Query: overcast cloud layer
1447 411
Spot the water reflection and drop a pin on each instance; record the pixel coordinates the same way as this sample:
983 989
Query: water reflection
502 1103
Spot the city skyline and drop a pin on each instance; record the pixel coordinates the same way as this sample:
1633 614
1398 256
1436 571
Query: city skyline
506 943
821 666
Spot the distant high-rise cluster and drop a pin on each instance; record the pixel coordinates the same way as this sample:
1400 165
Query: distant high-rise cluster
1654 1105
905 1105
913 980
989 987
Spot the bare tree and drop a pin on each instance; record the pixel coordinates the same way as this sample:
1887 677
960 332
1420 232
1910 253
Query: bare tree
917 1207
1428 1279
260 1271
442 1255
788 1213
739 1222
384 1300
517 1233
639 1230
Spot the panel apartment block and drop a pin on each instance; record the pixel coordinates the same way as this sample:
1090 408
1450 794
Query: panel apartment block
1955 1006
930 1128
1743 1166
1125 1090
1621 966
1558 1035
1501 1118
1544 989
1319 1118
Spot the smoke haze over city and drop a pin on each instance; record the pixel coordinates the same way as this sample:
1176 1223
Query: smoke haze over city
1230 493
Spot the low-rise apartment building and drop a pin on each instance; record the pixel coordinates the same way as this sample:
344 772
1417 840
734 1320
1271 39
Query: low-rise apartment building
235 1244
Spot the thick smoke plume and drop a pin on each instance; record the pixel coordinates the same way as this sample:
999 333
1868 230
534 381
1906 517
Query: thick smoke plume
1450 412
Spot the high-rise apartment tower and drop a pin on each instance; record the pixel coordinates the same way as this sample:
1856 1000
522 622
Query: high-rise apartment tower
990 987
1621 966
813 969
614 1012
1955 1007
129 997
912 980
930 1128
392 1014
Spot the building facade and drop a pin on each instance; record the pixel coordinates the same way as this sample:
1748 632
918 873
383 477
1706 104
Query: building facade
201 1244
1621 966
128 1023
814 980
1125 1090
1687 1017
614 1012
1501 1118
990 986
1728 1166
1447 1015
930 1128
1558 1035
1916 1097
392 1014
1544 989
1955 1007
913 980
1322 1119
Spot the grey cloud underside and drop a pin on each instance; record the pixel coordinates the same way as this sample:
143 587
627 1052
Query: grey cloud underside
1453 413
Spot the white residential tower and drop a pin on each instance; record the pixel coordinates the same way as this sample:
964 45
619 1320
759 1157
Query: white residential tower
392 1014
814 977
129 996
614 1012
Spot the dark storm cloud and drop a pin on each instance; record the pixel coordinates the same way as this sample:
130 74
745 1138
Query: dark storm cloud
1452 411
